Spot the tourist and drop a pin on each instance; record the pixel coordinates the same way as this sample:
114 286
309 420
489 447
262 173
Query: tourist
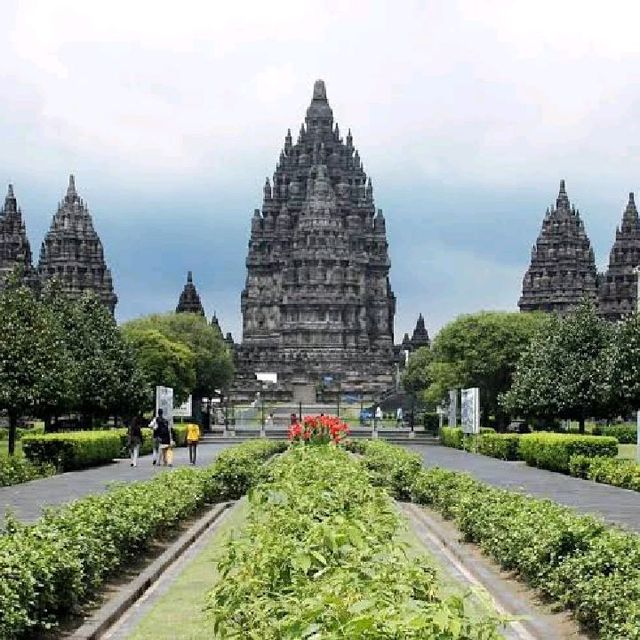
399 417
163 435
377 420
270 420
153 425
193 437
168 451
294 418
134 440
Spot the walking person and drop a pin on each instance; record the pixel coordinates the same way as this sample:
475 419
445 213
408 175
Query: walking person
134 440
193 437
153 425
163 435
377 420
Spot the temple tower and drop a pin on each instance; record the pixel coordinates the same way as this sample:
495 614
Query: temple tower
420 337
618 286
189 301
72 253
15 250
317 301
563 269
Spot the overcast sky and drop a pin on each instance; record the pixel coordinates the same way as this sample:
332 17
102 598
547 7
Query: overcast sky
466 115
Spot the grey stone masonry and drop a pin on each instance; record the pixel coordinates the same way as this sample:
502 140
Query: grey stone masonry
563 268
72 253
420 337
189 301
317 300
15 250
618 292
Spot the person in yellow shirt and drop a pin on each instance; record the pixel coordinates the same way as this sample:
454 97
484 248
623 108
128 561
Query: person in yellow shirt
193 437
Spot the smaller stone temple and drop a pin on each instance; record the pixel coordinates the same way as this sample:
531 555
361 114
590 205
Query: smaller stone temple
563 270
15 250
72 252
618 285
189 301
420 337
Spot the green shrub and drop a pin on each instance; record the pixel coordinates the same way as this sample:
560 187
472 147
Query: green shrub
624 433
451 437
577 560
619 473
50 568
553 450
73 450
504 446
333 567
15 470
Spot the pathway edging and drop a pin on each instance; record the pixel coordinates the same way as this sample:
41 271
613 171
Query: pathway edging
108 614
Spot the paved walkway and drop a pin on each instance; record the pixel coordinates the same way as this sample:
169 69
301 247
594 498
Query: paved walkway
27 500
619 506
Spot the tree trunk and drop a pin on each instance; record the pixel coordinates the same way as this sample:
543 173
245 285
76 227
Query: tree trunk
13 429
581 424
47 424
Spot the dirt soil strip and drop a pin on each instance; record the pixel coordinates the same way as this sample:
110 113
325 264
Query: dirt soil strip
531 619
98 624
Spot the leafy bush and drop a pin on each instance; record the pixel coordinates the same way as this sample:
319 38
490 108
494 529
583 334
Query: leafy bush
330 568
14 470
577 560
619 473
388 467
504 446
454 437
624 433
47 569
553 450
74 450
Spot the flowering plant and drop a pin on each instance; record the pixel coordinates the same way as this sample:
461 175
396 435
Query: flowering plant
318 430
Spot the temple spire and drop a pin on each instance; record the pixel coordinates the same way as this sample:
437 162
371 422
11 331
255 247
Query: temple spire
71 189
563 199
189 301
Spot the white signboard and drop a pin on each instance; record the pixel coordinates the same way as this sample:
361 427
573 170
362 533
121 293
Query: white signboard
267 377
185 410
470 410
453 407
164 401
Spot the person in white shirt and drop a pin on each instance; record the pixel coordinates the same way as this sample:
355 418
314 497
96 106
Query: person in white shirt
153 425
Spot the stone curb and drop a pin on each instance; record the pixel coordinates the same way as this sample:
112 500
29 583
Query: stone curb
526 624
105 617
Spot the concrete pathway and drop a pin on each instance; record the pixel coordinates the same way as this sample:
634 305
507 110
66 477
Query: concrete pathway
618 506
27 500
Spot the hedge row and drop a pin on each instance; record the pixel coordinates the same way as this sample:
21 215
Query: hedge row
50 568
576 560
334 567
15 469
624 433
553 451
542 449
80 449
619 473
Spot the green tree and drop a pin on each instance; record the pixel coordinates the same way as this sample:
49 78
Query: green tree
417 374
567 371
163 361
34 363
213 362
481 350
624 363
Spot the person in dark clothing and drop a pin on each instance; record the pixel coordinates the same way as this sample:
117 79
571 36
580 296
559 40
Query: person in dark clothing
163 434
134 439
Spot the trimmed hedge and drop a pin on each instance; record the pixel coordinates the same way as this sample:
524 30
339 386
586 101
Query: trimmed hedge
454 437
624 433
50 568
576 560
619 473
553 451
73 450
16 469
505 446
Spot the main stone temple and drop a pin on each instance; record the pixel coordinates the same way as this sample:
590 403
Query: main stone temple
317 307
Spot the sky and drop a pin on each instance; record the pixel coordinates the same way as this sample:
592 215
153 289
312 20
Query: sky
466 114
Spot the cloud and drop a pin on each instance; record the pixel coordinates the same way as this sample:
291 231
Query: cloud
466 114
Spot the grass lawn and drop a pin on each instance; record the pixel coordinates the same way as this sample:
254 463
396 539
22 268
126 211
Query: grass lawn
627 451
179 613
4 448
